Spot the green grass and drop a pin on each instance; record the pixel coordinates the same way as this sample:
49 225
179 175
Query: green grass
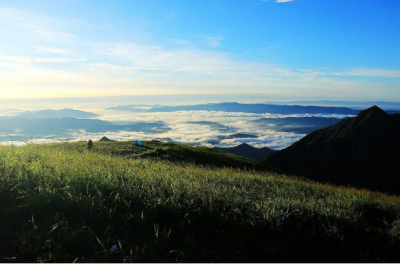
59 203
177 153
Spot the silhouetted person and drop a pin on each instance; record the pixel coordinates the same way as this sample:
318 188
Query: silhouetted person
90 144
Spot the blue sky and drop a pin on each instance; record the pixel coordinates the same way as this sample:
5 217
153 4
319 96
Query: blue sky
279 50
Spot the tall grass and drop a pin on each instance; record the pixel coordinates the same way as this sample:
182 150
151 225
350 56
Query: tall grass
62 205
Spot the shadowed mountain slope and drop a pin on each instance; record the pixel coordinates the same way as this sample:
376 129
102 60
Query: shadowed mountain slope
361 151
248 151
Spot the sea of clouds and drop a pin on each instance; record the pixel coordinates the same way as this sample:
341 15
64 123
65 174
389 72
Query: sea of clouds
184 130
206 128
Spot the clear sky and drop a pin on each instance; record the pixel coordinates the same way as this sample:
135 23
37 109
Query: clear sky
277 49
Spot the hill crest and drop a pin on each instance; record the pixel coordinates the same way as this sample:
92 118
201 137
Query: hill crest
247 151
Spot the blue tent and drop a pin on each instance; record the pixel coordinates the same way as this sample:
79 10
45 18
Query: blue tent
137 143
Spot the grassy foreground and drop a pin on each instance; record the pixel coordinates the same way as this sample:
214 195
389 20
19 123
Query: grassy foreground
62 205
177 153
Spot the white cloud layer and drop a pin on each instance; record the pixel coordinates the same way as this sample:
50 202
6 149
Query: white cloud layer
183 131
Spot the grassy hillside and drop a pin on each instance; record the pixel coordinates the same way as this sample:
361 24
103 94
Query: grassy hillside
177 153
58 204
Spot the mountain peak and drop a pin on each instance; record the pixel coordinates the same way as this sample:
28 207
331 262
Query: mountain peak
374 112
248 151
105 139
245 145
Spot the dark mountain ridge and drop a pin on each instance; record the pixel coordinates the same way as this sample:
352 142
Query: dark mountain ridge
247 151
247 108
299 125
239 135
63 113
363 151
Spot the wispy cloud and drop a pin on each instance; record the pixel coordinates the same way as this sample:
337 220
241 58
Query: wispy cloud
28 60
371 73
135 58
284 1
41 27
177 66
213 41
53 50
133 69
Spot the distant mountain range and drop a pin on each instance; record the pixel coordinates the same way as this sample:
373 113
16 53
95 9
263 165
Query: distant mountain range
247 151
351 104
21 128
363 151
239 135
213 125
63 113
238 107
299 125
